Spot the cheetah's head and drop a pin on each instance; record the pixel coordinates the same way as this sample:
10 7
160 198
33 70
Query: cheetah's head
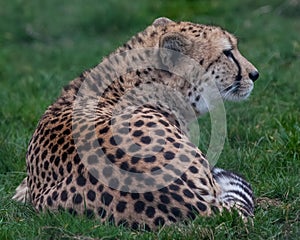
217 54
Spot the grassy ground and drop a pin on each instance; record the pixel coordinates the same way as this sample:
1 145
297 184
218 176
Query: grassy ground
44 44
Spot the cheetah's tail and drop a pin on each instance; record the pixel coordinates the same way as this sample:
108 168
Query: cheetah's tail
235 191
21 194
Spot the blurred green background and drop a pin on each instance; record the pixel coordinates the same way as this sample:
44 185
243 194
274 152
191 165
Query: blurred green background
45 44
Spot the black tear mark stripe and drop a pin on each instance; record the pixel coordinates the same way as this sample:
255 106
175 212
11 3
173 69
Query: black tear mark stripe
239 75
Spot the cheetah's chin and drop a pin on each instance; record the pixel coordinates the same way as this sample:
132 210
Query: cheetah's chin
237 93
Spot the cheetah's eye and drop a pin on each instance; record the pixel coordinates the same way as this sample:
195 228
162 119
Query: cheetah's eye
228 53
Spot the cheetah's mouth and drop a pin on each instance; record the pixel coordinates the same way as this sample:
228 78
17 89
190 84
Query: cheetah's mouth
237 91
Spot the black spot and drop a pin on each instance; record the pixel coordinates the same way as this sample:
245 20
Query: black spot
111 158
177 135
137 133
92 159
191 207
120 153
124 130
176 212
93 180
191 215
167 177
148 196
184 177
157 148
81 181
193 169
115 140
146 140
202 207
71 150
73 189
173 187
113 183
134 147
121 206
184 158
88 136
107 171
64 195
61 170
160 132
77 198
151 124
123 223
159 221
164 199
191 184
76 159
135 196
72 211
169 155
100 188
91 195
177 145
139 123
101 212
69 179
66 132
203 181
163 208
139 206
64 156
98 142
89 213
150 212
52 136
172 219
156 169
46 165
164 123
149 181
44 154
49 201
188 193
164 190
104 130
106 198
126 116
135 225
176 197
54 176
170 139
54 196
135 159
150 159
57 161
59 127
124 193
124 166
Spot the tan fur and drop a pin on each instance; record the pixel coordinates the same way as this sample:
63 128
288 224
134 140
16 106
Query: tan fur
66 155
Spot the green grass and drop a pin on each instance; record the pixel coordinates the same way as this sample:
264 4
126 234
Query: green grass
44 44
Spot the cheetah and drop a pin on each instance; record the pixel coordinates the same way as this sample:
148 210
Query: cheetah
115 144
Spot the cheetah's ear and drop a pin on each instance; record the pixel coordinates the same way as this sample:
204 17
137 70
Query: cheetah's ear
177 43
161 21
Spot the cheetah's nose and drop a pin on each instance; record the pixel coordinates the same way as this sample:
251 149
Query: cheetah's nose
254 75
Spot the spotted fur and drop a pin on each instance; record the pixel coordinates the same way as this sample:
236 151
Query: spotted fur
96 162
